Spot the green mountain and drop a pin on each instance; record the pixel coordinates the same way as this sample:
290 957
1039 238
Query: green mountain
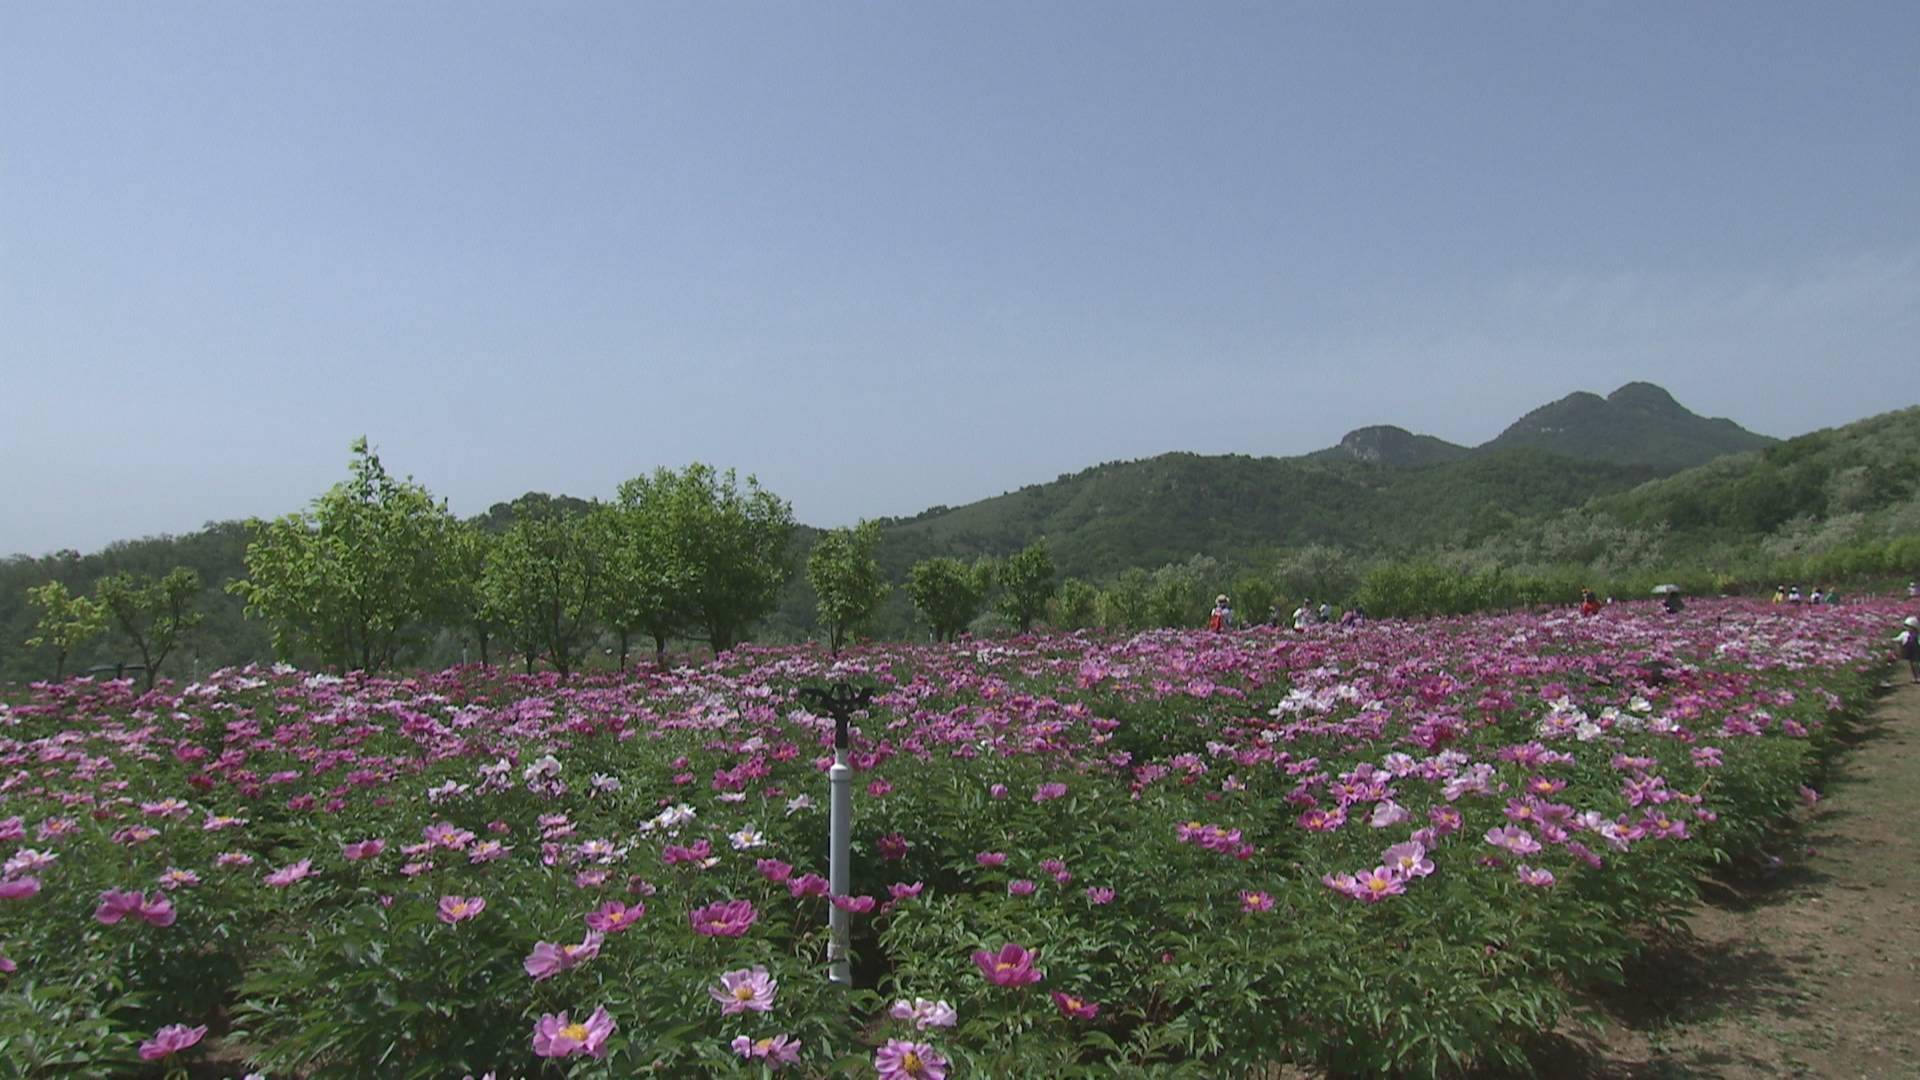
1638 424
1384 444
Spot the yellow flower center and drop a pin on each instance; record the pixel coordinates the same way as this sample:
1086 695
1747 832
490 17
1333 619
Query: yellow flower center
458 909
576 1032
1004 966
1074 1002
1378 884
763 1044
743 993
910 1061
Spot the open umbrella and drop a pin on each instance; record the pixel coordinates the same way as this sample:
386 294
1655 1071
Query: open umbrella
1662 590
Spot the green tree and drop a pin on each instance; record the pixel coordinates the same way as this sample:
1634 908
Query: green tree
152 615
1076 606
847 581
1127 604
725 549
543 580
948 593
649 586
349 580
66 622
1026 584
464 596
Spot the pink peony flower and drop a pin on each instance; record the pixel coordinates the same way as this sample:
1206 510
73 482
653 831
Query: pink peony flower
807 885
858 905
614 916
548 959
1409 860
19 888
454 909
1098 896
744 990
776 1050
365 849
1048 792
1537 878
902 1060
1252 902
287 875
171 1040
1379 883
723 918
1074 1008
924 1014
905 890
892 847
555 1037
774 870
1011 966
1020 887
991 858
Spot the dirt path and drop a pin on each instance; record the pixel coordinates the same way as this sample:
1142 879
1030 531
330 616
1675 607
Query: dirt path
1807 968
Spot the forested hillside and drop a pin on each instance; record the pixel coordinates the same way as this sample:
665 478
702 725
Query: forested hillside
1835 503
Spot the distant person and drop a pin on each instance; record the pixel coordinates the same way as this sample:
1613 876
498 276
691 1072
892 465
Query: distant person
1819 596
1793 595
1913 590
1779 594
1353 616
1589 603
1303 616
1222 618
1909 641
1325 614
1672 603
1833 598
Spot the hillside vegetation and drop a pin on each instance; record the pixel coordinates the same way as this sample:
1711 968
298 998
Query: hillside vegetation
1836 504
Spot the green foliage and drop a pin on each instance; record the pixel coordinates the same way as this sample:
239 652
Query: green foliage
1076 606
648 583
948 593
372 562
847 580
1127 604
151 615
543 579
730 546
66 622
1026 584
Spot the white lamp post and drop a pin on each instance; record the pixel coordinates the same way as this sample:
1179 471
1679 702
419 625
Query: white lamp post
839 701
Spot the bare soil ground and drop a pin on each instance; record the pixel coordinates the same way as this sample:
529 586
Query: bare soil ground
1808 967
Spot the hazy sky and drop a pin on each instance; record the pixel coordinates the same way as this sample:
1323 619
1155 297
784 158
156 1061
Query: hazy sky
886 255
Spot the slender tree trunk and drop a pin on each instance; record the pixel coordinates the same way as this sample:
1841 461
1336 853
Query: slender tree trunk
483 636
529 661
660 651
624 635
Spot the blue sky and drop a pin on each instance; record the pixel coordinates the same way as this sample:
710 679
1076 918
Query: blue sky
892 255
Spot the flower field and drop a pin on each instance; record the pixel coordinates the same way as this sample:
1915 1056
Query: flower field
1394 846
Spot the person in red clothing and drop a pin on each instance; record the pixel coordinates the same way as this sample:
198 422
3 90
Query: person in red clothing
1589 603
1222 618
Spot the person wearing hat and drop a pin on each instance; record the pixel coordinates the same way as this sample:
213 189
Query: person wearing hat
1222 618
1909 642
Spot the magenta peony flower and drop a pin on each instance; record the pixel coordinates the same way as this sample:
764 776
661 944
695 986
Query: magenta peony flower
614 916
555 1037
901 1060
743 990
1098 895
171 1040
1252 902
1048 792
454 909
19 888
858 905
548 959
157 911
892 847
905 890
1020 887
774 870
807 885
991 858
1074 1008
1409 860
723 918
1539 879
365 849
116 904
1379 883
1011 966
